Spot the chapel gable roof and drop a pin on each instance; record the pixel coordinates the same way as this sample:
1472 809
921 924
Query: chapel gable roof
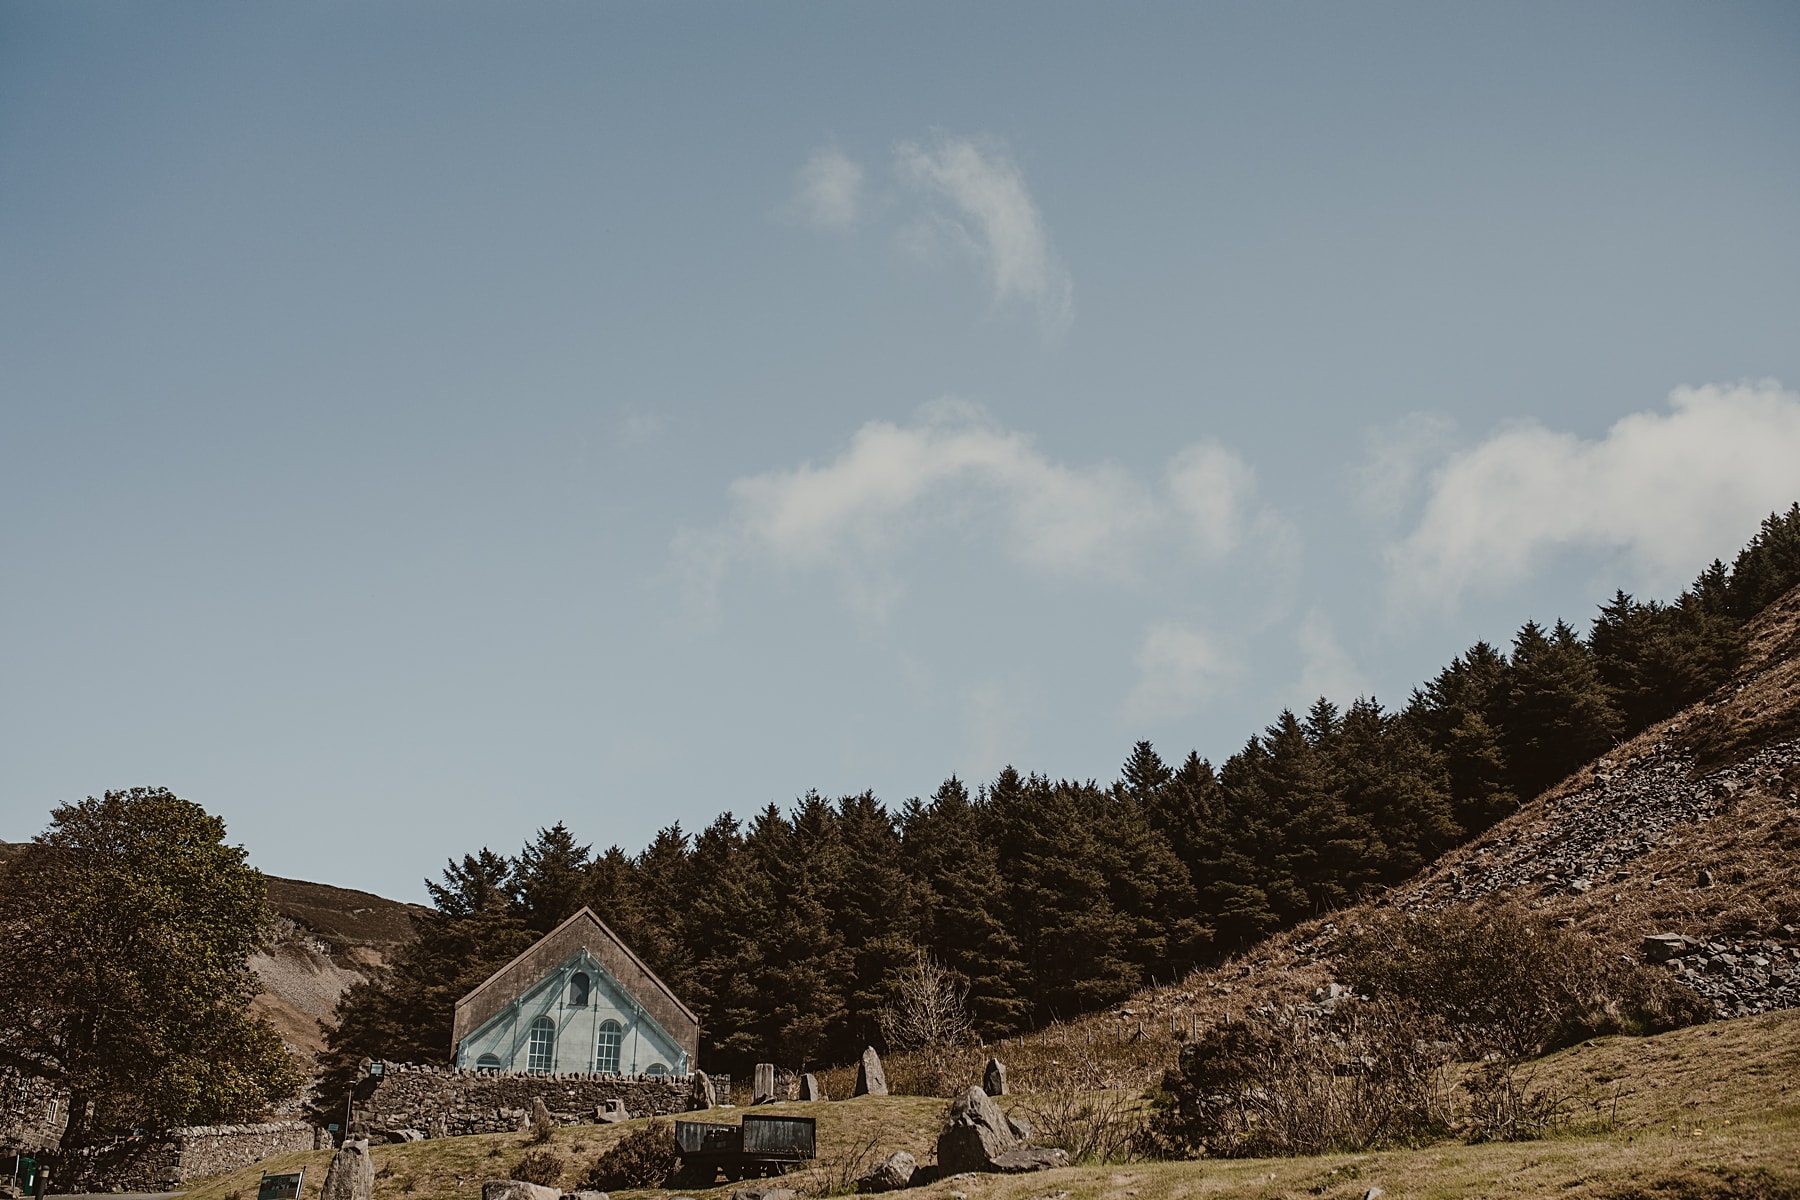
583 931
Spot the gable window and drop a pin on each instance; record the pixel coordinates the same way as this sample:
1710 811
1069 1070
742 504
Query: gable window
541 1056
606 1048
578 990
656 1069
489 1063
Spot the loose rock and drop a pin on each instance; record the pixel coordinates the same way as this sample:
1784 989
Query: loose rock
760 1193
891 1174
1021 1160
517 1189
976 1134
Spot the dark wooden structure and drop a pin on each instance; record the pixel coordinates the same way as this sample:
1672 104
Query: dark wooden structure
765 1144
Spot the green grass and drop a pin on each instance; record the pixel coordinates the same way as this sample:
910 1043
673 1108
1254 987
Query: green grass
1699 1114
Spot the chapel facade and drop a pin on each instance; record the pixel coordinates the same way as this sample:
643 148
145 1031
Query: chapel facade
577 1001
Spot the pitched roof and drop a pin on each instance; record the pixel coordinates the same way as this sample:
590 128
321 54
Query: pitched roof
586 931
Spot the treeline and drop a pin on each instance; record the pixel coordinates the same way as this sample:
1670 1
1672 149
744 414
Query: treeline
1054 897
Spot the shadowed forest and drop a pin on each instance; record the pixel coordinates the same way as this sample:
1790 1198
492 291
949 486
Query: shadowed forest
1049 898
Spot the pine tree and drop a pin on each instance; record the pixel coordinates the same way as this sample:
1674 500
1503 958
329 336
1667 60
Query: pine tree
549 879
1558 715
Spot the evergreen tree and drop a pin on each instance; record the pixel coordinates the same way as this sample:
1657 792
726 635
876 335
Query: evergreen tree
1558 715
549 880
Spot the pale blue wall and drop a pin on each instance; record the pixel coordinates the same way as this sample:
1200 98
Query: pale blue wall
506 1035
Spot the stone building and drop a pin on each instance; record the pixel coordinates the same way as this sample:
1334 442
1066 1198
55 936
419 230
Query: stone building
579 1001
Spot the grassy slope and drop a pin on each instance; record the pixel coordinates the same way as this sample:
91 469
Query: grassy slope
1711 1111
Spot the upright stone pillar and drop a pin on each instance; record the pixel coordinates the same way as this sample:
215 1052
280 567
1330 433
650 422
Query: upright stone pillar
809 1087
351 1175
993 1080
764 1091
871 1080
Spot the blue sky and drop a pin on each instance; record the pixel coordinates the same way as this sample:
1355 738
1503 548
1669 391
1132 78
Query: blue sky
424 422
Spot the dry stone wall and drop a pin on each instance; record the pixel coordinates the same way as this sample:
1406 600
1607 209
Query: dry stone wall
412 1101
155 1164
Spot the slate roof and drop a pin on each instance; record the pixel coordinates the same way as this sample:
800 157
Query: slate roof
586 931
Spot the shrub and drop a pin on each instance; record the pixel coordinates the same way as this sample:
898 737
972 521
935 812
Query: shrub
643 1158
1365 1074
1505 981
539 1166
1094 1127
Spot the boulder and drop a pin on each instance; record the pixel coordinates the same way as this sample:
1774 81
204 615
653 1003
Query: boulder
351 1175
1661 947
976 1134
703 1095
809 1087
587 1195
541 1120
871 1080
891 1174
1020 1126
993 1080
764 1090
760 1193
518 1189
1022 1160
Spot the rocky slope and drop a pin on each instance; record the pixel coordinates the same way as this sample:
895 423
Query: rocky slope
1690 831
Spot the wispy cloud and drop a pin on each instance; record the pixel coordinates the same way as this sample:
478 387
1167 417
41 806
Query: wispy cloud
828 190
1667 489
1326 668
1179 669
983 201
956 468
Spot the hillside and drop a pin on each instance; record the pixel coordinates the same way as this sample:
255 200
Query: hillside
330 937
327 938
1700 1113
1690 828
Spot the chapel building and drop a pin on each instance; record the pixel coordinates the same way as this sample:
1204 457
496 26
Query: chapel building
577 1001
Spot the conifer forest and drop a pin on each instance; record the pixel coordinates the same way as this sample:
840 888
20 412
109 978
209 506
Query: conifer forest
1050 897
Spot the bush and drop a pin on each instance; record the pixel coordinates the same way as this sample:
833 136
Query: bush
539 1166
1505 981
1365 1074
1094 1127
643 1158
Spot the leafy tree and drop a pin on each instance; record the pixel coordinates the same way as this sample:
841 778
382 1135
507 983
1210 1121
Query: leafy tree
126 929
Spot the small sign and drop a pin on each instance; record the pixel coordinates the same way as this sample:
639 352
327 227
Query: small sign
280 1187
375 1070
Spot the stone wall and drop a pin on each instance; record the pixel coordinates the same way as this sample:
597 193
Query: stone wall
155 1164
440 1102
33 1113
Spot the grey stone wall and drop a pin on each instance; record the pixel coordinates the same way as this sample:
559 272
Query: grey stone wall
154 1164
444 1102
33 1113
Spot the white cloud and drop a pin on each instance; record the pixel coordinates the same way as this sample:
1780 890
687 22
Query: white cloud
1179 669
955 468
1670 490
1326 668
1395 462
828 189
990 212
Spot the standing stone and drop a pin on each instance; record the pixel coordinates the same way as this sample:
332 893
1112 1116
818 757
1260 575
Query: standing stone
809 1087
993 1080
351 1175
763 1091
541 1120
871 1080
976 1134
703 1095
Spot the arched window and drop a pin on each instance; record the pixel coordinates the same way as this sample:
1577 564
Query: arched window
656 1069
489 1062
578 990
541 1058
606 1048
